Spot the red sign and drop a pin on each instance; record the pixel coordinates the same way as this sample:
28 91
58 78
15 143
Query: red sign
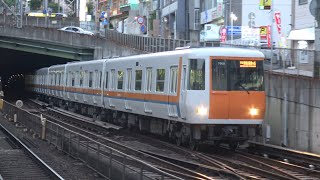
278 21
223 35
269 36
140 20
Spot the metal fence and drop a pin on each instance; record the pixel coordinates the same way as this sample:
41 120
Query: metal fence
278 60
107 161
40 21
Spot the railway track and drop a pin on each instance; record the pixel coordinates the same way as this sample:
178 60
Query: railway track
183 170
304 159
17 161
227 165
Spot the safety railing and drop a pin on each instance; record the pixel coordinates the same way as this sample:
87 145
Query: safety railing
278 60
298 62
107 161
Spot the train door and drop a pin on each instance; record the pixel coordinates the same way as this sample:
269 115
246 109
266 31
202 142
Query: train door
113 86
219 97
148 90
128 88
182 101
173 92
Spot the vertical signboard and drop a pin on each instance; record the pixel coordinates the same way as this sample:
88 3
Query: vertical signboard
223 35
269 36
278 21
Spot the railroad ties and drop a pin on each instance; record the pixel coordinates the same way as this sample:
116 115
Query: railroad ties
15 163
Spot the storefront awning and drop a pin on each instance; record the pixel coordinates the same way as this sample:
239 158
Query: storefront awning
306 34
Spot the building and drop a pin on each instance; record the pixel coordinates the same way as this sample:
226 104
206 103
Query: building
303 23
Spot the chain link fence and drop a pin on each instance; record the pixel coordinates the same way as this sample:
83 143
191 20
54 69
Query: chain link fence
107 161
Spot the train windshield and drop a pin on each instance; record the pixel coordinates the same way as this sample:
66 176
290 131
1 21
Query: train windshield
237 75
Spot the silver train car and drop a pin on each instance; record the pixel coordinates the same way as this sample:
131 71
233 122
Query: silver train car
193 96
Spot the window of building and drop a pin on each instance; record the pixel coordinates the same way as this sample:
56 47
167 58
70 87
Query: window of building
120 80
196 74
138 80
161 74
302 2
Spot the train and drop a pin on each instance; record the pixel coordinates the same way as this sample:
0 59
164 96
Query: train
193 96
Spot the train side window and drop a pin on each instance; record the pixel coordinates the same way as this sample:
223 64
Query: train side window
62 78
161 74
81 79
96 79
55 79
59 79
113 82
120 80
86 79
107 79
72 79
173 79
77 78
196 74
138 80
129 79
100 79
90 79
149 79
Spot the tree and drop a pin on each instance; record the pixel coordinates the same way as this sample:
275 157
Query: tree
54 7
35 5
90 7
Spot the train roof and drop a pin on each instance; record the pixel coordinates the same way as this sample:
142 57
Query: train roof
204 51
191 52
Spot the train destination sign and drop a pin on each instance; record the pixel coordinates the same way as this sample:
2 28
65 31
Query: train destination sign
248 64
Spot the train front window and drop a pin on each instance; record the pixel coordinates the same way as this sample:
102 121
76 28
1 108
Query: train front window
235 75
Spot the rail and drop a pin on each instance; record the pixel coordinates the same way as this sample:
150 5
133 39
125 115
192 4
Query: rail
53 174
105 160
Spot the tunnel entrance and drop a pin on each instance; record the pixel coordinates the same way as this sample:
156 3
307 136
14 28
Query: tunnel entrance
14 65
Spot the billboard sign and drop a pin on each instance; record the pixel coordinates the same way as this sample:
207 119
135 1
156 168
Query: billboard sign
265 4
234 29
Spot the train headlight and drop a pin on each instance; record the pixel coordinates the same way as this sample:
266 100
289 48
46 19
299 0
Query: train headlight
253 111
202 111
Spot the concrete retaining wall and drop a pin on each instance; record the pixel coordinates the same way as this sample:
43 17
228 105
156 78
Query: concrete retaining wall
301 111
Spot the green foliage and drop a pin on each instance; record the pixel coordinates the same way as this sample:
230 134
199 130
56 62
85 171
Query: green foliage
151 17
90 7
10 2
35 5
54 7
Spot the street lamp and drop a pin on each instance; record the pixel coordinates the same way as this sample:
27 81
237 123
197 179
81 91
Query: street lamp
233 17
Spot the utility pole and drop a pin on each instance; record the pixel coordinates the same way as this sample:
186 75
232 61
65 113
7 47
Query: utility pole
97 17
46 11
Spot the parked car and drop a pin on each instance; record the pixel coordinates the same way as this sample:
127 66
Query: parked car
76 30
268 53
